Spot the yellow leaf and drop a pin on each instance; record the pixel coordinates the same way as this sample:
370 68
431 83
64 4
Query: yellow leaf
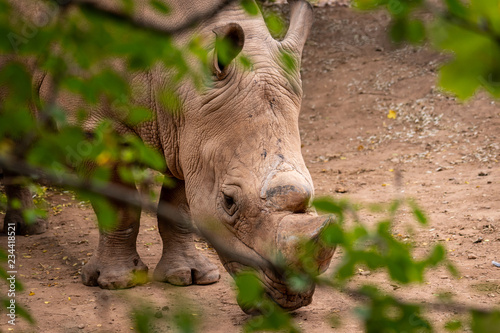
69 298
46 302
103 158
31 293
392 114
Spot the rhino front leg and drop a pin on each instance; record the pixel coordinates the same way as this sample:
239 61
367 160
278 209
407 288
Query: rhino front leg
116 263
15 191
181 263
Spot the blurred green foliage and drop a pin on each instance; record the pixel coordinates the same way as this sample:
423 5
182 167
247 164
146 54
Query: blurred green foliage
469 30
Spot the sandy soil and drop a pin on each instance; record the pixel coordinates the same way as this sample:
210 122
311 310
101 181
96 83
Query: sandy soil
445 152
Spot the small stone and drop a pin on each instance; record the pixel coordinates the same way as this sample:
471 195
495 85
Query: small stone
81 326
443 277
365 273
165 308
158 314
471 256
340 190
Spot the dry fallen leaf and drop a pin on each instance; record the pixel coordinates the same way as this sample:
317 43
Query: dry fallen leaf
392 114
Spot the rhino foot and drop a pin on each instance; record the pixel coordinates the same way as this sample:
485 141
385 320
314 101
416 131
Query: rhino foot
15 218
115 274
182 269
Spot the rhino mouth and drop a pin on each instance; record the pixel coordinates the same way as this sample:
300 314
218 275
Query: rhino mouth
276 288
286 297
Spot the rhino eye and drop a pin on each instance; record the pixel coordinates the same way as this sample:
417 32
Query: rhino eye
229 204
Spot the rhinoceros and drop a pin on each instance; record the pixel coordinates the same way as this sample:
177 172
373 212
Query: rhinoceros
234 149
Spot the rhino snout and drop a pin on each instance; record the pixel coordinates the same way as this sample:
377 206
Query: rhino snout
288 191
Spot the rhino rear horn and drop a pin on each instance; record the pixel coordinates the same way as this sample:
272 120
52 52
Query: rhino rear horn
228 44
301 19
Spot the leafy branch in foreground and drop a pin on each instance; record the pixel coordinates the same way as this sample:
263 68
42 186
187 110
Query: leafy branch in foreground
375 248
469 30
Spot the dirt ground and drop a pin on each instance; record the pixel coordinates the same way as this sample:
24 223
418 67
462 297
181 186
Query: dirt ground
445 153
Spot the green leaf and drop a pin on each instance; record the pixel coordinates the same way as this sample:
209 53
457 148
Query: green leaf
137 115
436 256
333 235
328 205
250 289
22 312
128 6
299 282
288 62
17 122
487 14
170 100
250 7
457 8
383 313
15 76
415 31
418 213
475 61
147 155
453 325
368 4
246 62
31 215
160 7
273 319
404 29
142 317
275 24
187 322
453 270
107 216
485 321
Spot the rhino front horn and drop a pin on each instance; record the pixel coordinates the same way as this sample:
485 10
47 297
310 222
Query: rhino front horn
293 230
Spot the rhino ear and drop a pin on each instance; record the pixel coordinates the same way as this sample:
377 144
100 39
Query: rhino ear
228 44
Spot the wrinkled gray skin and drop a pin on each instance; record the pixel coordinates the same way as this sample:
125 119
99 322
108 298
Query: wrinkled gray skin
235 150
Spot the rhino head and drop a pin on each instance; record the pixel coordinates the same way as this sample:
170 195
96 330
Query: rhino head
247 186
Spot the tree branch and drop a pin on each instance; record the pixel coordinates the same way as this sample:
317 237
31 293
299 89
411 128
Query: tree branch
110 190
138 22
